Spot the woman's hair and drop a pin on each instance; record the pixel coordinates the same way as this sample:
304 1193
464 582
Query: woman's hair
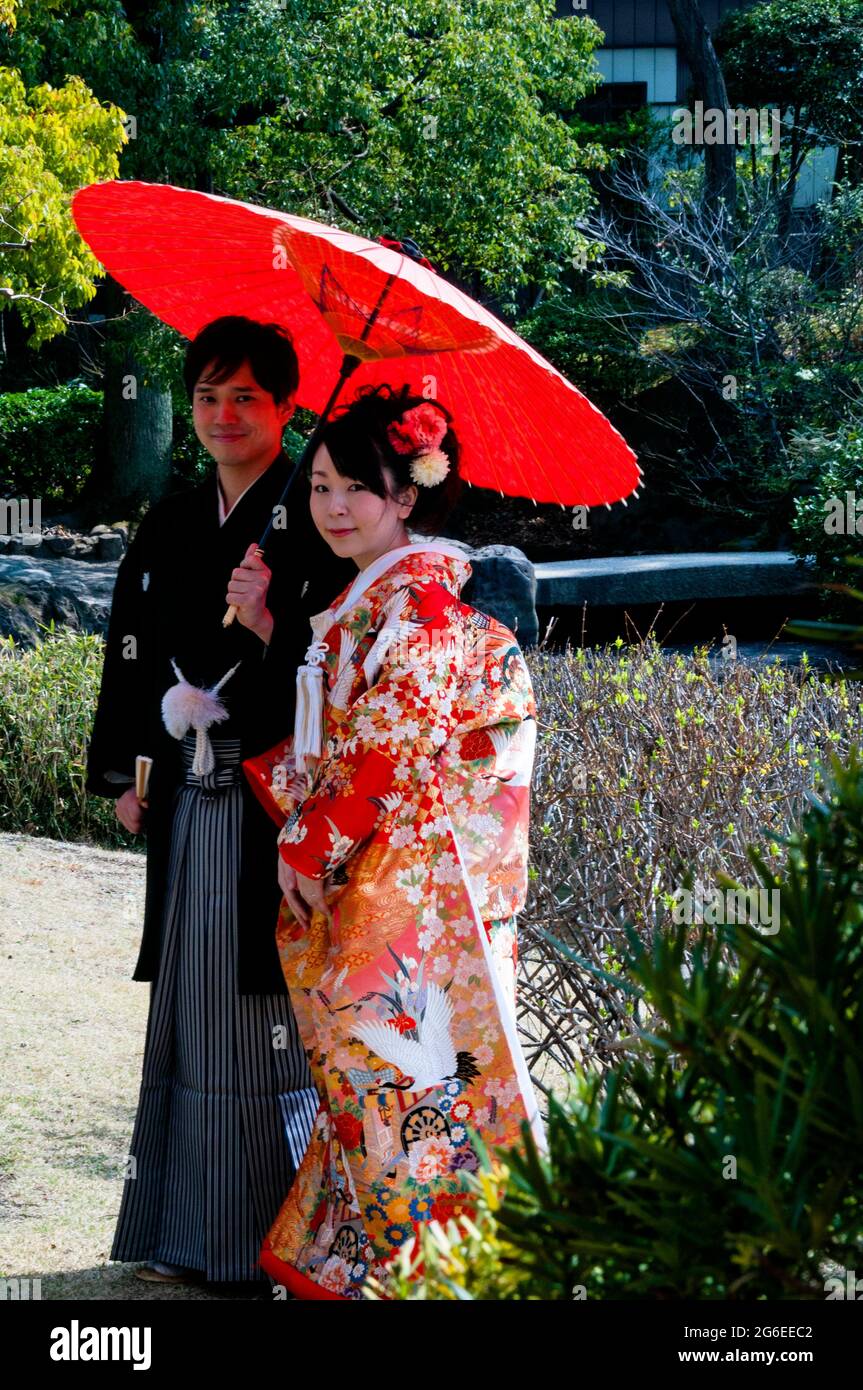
231 340
356 438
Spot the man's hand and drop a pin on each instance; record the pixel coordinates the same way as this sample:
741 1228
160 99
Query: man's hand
130 811
302 894
247 591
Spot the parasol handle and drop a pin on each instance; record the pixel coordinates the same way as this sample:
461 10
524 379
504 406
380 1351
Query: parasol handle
349 365
231 612
350 362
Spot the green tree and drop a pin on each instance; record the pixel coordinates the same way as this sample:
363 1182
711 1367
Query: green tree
52 140
437 119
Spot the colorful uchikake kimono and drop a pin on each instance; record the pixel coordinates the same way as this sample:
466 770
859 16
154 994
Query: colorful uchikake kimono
416 812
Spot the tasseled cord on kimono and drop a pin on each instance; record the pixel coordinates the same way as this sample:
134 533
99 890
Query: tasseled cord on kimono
308 720
186 707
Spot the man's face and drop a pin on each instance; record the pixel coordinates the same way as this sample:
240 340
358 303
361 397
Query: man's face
236 420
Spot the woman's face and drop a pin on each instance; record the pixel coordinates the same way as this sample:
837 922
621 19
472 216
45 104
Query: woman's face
353 520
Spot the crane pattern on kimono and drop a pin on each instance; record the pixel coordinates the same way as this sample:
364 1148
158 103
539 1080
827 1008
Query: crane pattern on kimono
430 1059
368 649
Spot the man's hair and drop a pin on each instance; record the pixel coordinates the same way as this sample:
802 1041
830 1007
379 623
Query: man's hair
229 341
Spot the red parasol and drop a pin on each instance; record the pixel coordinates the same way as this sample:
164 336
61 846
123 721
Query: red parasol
365 309
191 257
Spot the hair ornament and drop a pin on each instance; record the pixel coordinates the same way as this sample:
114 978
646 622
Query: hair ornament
429 468
420 431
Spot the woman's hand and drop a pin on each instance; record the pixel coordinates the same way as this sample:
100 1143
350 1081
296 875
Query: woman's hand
288 885
302 894
313 891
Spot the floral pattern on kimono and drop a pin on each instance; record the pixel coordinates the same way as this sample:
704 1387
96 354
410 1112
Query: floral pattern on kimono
416 815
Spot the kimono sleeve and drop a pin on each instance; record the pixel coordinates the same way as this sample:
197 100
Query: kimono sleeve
388 740
120 725
273 778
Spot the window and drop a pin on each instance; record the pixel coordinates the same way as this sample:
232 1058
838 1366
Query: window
611 100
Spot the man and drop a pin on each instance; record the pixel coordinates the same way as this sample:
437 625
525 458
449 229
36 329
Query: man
226 1099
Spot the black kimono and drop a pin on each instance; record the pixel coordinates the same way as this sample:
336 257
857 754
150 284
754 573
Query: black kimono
169 602
226 1102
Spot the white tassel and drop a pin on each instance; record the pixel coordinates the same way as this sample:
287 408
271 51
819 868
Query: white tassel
309 719
205 759
186 707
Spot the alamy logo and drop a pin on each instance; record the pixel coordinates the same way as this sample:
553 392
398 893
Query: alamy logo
848 1288
20 516
77 1343
755 906
736 126
844 515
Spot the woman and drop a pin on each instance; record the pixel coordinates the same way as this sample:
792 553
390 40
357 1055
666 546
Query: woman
403 799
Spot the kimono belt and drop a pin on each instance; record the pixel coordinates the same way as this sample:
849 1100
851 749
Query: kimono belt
225 774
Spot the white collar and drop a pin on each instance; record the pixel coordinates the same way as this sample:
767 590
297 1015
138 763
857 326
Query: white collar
223 515
386 561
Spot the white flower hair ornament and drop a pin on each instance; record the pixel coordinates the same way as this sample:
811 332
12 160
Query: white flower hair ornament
420 431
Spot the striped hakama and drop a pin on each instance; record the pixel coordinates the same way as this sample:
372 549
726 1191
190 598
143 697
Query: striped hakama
227 1103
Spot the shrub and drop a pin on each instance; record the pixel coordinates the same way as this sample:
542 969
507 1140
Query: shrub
835 464
648 763
47 440
47 699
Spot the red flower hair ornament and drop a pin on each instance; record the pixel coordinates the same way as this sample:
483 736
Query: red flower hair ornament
420 432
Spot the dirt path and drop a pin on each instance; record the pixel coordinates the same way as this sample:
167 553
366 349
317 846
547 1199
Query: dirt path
73 1026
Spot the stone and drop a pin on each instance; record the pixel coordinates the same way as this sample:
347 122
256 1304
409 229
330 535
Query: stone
85 548
111 546
502 584
60 545
36 590
23 544
633 579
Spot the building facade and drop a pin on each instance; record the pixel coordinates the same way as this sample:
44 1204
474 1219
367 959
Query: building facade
642 66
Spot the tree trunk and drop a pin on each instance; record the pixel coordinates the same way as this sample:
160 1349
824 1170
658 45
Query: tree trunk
693 37
134 458
789 188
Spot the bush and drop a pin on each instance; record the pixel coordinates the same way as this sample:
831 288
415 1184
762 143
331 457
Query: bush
47 700
723 1157
47 441
646 762
649 763
835 462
